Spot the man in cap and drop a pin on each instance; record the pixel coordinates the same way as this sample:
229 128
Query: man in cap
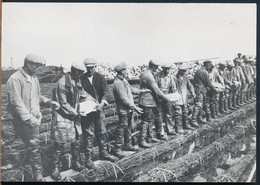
231 80
93 124
183 84
215 78
167 85
149 103
223 103
66 127
248 71
24 98
125 106
201 85
241 79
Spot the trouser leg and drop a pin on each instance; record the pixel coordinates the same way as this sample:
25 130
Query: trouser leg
57 151
167 113
207 107
75 152
158 123
146 120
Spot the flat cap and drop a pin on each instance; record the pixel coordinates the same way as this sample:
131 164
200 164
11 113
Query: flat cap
154 62
184 66
78 66
207 62
166 66
90 62
33 59
120 66
224 63
230 63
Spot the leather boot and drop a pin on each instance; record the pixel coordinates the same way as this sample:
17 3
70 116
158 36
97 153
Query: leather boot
130 147
185 121
212 110
162 137
35 158
196 111
217 110
119 153
221 107
75 152
104 155
178 125
208 112
234 102
88 146
226 106
230 107
57 151
143 144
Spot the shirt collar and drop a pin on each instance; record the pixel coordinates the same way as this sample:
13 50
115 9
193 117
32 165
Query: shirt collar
27 76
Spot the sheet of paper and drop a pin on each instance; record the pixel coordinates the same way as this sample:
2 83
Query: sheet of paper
88 106
174 96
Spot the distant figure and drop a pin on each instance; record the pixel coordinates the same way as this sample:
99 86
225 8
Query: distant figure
66 126
125 106
24 98
149 103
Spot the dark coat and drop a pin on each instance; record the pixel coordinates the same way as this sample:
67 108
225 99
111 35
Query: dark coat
98 89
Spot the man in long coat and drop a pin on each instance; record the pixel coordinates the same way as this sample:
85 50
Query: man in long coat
24 98
149 103
66 126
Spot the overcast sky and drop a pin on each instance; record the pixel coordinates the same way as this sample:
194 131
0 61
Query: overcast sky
134 33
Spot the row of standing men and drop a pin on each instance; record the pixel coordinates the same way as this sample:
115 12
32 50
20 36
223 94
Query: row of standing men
71 125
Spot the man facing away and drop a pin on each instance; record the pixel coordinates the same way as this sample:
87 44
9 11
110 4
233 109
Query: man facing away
66 126
24 98
125 106
93 124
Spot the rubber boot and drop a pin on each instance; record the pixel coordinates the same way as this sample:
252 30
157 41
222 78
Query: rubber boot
35 158
212 110
230 107
178 125
208 112
226 100
88 146
196 111
185 120
234 102
217 110
221 107
57 151
104 155
75 152
119 142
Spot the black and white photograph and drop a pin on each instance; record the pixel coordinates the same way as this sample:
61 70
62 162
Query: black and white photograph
128 92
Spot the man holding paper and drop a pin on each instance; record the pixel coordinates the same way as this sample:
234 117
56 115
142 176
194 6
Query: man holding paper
66 127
